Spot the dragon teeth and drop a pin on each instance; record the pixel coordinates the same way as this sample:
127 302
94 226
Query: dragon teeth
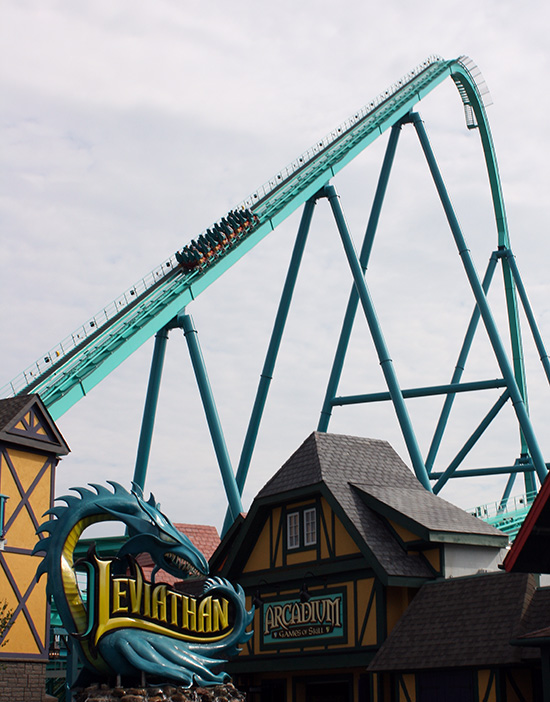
182 564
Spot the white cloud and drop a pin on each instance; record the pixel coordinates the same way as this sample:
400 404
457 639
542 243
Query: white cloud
129 127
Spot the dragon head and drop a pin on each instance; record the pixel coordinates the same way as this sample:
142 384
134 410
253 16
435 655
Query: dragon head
149 530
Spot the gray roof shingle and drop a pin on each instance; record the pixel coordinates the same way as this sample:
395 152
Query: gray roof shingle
460 622
10 407
426 509
338 458
362 474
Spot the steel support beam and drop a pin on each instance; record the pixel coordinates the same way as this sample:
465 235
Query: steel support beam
379 342
450 472
428 391
351 310
212 417
485 311
459 368
273 349
529 313
502 470
150 409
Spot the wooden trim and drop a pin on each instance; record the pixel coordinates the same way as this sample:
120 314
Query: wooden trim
515 688
381 615
21 606
367 613
400 683
21 658
489 688
338 568
25 495
318 660
31 440
278 540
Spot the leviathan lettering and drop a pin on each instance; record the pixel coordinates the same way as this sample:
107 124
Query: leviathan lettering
132 601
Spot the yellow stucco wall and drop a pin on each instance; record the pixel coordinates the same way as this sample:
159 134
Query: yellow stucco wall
17 565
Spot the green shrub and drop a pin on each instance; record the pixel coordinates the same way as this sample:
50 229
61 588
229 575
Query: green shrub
5 620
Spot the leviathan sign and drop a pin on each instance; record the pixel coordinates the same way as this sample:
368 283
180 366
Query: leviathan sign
129 625
292 621
132 602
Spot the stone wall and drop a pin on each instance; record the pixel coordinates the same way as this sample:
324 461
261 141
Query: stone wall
22 681
162 693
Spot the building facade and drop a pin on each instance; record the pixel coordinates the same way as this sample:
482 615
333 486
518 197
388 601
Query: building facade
30 448
334 552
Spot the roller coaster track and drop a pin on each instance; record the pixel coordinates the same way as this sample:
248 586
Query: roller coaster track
71 369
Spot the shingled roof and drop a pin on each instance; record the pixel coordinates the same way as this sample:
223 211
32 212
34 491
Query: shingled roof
370 484
536 622
427 514
339 458
378 474
11 407
41 433
468 621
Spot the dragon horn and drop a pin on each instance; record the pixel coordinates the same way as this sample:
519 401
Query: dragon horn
117 487
137 490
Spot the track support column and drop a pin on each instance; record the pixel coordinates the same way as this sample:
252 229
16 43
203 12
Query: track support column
273 349
481 299
212 417
353 301
378 339
150 409
459 369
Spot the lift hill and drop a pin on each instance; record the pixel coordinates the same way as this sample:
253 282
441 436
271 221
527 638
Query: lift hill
73 367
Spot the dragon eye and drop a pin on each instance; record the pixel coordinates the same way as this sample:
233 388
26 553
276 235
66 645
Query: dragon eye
167 539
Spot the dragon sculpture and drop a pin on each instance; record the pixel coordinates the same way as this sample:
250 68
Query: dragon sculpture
171 635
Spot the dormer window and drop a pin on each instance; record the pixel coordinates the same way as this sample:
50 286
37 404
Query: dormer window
301 528
310 527
293 530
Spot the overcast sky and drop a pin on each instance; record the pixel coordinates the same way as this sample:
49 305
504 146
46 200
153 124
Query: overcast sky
128 127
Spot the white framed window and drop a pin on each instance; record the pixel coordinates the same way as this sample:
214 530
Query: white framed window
310 527
293 530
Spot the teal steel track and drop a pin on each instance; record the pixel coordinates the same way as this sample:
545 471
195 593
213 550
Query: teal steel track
69 371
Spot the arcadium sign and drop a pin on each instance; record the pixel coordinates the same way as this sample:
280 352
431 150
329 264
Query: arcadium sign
289 621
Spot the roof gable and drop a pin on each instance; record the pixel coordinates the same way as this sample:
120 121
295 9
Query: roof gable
429 515
25 421
376 539
530 552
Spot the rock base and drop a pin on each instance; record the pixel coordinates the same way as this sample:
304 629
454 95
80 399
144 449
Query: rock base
160 693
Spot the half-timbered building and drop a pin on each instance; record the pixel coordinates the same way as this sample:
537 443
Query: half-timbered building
331 554
30 447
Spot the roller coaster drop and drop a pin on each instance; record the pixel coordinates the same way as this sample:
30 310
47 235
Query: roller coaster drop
157 303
